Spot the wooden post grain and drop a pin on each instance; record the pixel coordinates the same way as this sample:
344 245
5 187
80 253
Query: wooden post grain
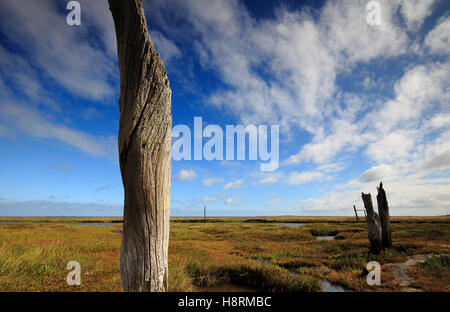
383 210
144 151
373 225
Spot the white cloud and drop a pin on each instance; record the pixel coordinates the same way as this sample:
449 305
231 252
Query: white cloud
282 70
323 149
438 39
233 200
416 93
269 180
378 173
391 147
270 177
403 135
333 167
301 56
186 175
304 177
415 11
23 79
408 196
442 160
234 184
66 54
165 47
212 181
35 124
440 120
66 57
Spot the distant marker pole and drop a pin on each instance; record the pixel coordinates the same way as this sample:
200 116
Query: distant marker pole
204 213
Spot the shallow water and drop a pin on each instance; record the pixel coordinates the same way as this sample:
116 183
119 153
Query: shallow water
288 224
325 238
329 287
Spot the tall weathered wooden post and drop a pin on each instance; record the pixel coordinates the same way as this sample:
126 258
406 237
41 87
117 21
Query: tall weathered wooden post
144 151
383 211
373 225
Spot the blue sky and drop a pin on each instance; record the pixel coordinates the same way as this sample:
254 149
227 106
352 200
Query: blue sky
356 104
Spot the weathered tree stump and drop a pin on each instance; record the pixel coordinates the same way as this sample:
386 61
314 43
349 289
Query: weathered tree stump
383 210
144 149
373 225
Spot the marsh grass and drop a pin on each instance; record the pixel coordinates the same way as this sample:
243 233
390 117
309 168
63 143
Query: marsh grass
434 273
33 257
266 277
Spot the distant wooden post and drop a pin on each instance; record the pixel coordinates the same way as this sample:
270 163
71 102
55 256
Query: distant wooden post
356 212
373 225
204 213
383 210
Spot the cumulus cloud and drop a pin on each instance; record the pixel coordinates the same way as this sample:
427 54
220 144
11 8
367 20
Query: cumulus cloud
377 173
302 55
322 149
186 175
391 147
